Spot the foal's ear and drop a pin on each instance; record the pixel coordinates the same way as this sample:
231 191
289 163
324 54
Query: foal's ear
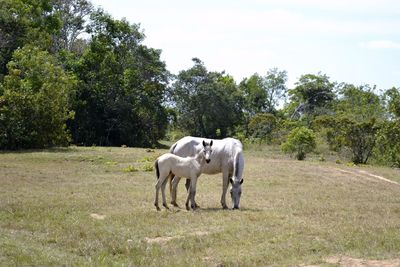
231 180
241 181
204 143
211 142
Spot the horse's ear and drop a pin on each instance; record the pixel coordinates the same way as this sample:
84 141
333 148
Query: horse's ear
204 143
241 181
211 142
231 180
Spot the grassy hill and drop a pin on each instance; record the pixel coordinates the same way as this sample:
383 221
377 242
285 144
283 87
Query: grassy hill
94 206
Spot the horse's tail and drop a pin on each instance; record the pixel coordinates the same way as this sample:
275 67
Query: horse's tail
157 169
238 165
171 150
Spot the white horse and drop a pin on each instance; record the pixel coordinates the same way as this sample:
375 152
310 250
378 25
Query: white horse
227 157
168 165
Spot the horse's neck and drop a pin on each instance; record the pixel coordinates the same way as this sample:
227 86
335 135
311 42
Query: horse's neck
199 159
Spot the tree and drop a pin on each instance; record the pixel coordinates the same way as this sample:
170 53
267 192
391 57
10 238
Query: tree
35 101
73 14
392 97
275 87
300 141
346 131
359 103
25 22
262 94
121 89
313 95
208 103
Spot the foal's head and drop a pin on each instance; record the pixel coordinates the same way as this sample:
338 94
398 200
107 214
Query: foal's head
207 150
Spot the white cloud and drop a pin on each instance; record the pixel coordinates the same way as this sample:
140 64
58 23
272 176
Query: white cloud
381 44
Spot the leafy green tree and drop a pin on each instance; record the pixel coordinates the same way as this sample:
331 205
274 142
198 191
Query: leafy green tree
208 103
73 15
312 96
122 86
255 96
359 103
392 97
359 136
25 22
35 101
300 141
262 94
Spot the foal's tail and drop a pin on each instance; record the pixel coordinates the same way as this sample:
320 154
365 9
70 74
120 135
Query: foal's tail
157 169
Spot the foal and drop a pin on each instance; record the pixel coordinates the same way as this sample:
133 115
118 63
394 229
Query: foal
170 165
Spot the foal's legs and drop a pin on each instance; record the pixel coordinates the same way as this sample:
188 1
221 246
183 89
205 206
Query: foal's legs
158 186
163 190
173 188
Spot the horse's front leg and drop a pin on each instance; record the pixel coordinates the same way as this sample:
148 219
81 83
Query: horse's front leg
187 185
189 195
193 184
225 184
173 189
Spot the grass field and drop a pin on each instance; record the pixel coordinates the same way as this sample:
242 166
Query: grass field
94 207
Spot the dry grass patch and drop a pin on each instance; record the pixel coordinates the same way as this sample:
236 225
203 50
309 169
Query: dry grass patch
78 207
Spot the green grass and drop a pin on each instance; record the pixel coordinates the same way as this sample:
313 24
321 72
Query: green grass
292 213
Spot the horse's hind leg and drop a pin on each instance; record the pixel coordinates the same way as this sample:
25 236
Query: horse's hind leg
158 185
163 191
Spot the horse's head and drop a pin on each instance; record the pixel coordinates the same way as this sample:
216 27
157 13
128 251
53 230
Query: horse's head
236 192
207 150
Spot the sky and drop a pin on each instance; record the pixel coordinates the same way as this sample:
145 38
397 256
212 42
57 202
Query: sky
352 41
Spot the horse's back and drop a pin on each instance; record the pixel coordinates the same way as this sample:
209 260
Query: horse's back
224 151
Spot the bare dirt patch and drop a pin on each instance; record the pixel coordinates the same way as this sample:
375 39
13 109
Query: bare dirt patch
164 239
97 216
366 175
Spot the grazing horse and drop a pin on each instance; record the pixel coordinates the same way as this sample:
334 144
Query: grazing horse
168 165
227 157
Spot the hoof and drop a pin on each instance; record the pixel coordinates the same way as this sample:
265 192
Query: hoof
225 207
187 207
157 207
166 206
174 204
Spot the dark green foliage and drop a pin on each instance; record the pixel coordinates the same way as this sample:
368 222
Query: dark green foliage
121 88
208 103
300 142
25 22
35 101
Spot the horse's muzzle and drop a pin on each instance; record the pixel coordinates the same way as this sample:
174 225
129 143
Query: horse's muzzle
208 160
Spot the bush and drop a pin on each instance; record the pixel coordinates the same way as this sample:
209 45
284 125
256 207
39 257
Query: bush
35 101
262 125
300 141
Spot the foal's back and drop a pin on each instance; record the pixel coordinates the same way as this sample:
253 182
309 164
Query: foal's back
179 166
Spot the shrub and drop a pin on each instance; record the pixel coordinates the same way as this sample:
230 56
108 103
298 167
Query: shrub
300 141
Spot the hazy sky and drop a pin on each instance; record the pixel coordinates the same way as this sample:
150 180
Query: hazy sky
354 41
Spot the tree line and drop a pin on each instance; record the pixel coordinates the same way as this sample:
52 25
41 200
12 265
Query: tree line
72 74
